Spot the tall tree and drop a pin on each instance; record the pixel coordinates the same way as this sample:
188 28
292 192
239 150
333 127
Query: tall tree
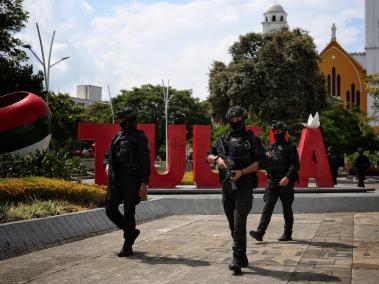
13 19
218 89
65 119
14 75
347 130
99 113
275 75
372 88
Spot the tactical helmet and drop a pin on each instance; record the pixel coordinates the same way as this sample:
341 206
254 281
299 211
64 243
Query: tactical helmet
279 125
236 111
126 113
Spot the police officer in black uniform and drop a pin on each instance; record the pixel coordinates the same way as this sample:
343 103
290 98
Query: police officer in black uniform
127 164
244 150
362 163
282 172
334 163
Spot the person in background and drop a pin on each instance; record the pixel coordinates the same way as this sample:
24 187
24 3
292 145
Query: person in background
334 163
362 163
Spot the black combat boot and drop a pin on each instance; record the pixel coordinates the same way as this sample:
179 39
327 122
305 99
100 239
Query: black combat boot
125 251
133 239
257 235
244 261
136 234
287 236
127 247
235 266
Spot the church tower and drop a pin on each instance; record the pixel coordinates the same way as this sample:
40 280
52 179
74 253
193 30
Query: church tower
372 45
274 19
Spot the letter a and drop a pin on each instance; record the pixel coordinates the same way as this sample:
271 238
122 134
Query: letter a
313 159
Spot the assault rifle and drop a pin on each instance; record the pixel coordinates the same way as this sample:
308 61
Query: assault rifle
230 164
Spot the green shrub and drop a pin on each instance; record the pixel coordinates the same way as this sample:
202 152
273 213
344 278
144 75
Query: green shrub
34 208
374 159
40 163
41 188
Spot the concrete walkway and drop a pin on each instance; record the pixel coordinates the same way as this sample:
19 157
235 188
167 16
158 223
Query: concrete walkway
338 247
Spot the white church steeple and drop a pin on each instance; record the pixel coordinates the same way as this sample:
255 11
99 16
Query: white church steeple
334 29
372 46
274 19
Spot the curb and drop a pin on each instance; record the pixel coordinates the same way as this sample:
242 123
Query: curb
29 235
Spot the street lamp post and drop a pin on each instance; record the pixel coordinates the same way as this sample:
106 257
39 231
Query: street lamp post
46 68
166 100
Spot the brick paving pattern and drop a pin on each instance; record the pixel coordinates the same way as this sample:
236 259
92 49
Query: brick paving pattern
327 248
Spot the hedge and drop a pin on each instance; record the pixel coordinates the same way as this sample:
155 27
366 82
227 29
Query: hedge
23 189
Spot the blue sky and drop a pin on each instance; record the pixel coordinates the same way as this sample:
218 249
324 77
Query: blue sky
129 43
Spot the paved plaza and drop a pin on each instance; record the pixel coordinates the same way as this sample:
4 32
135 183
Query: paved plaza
338 247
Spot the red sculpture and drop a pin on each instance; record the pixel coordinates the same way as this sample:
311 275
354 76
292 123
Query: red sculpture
313 159
25 123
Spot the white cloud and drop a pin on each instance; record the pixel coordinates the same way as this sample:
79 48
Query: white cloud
86 7
135 43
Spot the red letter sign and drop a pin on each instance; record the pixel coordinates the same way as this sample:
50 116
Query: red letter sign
176 156
102 134
313 159
202 174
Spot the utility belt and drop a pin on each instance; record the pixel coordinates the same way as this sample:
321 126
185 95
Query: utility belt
276 175
125 169
247 178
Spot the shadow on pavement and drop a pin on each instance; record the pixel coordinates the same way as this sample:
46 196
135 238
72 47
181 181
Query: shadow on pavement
292 276
324 244
163 259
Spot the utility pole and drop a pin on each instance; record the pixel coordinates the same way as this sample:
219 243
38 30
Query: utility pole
166 100
110 102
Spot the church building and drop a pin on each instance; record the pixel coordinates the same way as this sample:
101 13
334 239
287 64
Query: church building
344 72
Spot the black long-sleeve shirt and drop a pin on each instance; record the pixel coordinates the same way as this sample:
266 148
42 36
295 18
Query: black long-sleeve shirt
254 153
284 161
137 159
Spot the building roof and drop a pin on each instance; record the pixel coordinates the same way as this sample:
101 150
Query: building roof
335 44
276 8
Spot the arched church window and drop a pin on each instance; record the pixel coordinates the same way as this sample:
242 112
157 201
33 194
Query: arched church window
348 99
266 19
274 18
328 85
333 81
358 98
338 85
353 93
281 18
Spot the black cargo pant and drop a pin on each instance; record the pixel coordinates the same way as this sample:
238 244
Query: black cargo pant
237 205
272 193
125 189
361 179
